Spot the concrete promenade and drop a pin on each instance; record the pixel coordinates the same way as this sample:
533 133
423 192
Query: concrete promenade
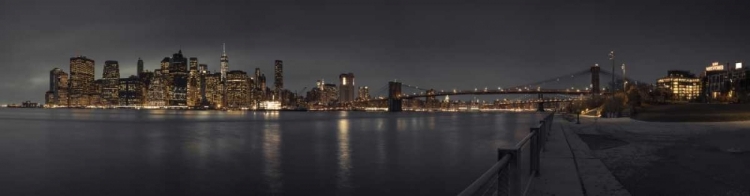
568 167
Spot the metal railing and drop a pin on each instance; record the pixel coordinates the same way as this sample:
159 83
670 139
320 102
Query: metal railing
516 167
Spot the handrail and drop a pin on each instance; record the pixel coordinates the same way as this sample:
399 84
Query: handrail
507 167
525 140
486 176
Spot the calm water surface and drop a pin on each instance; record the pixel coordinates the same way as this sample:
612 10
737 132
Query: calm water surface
169 152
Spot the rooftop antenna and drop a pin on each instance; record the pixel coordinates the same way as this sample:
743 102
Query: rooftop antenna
224 48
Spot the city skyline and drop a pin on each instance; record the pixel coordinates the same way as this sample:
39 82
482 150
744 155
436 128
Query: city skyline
425 43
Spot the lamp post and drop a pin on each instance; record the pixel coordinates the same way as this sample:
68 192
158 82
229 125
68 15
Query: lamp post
612 57
624 81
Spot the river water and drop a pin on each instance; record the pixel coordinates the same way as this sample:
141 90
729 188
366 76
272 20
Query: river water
172 152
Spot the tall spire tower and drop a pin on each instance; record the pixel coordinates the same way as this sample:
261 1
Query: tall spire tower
224 62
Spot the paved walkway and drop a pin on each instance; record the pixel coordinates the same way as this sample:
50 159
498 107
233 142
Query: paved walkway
569 169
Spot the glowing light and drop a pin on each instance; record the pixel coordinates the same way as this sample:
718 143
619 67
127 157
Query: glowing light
270 105
715 66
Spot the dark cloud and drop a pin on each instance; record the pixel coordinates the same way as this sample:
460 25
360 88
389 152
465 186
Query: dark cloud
440 44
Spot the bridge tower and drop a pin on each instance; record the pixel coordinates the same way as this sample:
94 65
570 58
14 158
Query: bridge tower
394 96
540 105
595 79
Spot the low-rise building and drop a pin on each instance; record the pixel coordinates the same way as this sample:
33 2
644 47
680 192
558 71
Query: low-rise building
683 85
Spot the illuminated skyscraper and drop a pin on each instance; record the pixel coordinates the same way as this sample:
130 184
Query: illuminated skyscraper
156 90
111 83
346 88
130 91
164 66
214 90
238 90
278 75
257 78
202 72
178 80
193 86
224 63
364 93
81 80
140 67
58 87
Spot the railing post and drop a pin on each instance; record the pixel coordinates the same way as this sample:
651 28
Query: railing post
543 133
535 151
511 184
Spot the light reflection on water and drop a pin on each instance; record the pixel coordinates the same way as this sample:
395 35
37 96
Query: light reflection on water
272 155
163 152
344 152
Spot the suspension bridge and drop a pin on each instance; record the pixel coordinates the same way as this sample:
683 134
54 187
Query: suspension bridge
582 84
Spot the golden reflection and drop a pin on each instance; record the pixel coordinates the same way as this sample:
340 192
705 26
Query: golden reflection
345 162
431 122
400 124
81 114
272 156
271 115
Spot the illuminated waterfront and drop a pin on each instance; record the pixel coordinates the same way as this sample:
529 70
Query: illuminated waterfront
190 152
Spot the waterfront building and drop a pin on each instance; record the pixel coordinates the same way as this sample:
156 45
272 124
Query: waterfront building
726 82
278 69
164 65
110 83
49 99
431 101
193 86
238 90
214 90
263 88
177 80
58 87
323 94
202 71
364 93
683 85
156 90
257 78
346 88
81 81
145 79
139 67
130 91
224 63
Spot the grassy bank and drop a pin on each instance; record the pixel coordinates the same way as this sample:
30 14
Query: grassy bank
694 113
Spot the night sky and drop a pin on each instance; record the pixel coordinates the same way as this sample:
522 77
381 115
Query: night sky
438 44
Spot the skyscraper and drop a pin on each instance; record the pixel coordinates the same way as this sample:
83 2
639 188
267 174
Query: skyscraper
140 67
224 63
364 93
202 72
214 90
238 90
257 78
193 86
178 80
131 93
165 65
81 80
111 83
346 88
58 86
278 75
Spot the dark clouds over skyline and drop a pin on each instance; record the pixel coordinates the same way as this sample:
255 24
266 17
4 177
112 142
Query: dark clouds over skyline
438 44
